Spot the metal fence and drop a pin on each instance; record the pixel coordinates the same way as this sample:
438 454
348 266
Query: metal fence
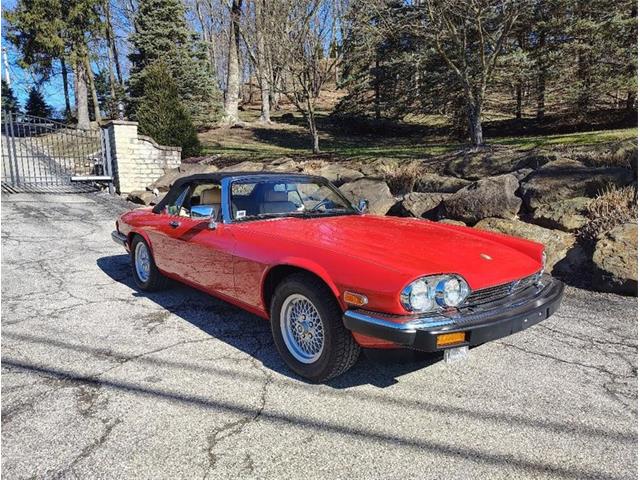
39 154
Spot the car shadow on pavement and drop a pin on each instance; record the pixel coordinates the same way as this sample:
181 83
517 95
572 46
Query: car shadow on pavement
252 334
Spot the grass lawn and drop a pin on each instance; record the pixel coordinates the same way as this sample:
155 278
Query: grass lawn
258 142
570 139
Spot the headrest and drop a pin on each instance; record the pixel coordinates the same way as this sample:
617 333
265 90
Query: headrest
210 197
272 196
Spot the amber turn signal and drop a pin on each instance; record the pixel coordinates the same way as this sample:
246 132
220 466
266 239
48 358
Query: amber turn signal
448 339
355 299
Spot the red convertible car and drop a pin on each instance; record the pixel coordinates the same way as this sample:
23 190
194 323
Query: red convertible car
331 278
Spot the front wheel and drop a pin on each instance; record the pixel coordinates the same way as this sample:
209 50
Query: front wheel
145 273
306 323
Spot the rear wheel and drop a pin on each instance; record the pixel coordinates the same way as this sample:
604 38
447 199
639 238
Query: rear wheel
306 323
145 273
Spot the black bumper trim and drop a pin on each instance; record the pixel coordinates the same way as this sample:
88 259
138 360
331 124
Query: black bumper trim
119 238
492 321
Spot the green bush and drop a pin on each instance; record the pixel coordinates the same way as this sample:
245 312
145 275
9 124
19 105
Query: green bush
161 114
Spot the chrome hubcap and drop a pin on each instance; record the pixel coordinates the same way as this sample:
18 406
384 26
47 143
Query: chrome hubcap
302 328
142 261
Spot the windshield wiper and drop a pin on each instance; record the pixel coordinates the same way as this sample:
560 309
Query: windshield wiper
326 213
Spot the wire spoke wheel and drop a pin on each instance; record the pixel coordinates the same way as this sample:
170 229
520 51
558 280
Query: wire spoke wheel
142 262
302 328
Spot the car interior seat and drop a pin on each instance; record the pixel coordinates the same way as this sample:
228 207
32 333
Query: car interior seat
276 202
211 197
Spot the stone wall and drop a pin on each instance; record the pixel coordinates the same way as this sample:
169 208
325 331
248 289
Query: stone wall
137 160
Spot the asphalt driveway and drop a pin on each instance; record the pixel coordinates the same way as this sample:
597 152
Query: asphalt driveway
100 380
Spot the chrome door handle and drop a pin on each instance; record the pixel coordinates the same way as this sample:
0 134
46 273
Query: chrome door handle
174 224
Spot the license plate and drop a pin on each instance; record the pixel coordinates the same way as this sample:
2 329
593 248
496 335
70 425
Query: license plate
456 354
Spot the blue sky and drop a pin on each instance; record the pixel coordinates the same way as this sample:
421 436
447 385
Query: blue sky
22 80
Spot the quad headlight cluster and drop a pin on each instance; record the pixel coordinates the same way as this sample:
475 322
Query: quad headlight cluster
434 292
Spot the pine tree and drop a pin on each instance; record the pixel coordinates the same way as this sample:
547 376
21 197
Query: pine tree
9 100
36 105
162 115
48 30
604 44
162 33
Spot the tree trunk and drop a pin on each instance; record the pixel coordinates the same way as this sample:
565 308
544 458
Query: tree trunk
111 43
82 104
540 110
94 92
474 111
313 130
376 90
65 87
112 106
519 100
631 100
542 77
263 76
232 95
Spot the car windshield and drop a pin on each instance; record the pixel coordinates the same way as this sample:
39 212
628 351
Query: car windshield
304 197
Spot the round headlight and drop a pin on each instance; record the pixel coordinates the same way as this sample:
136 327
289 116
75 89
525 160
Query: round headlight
434 292
451 291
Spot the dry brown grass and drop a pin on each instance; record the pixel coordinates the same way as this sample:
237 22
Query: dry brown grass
615 154
612 207
401 178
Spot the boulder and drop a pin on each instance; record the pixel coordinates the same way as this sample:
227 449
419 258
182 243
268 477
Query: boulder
564 255
171 175
432 182
336 173
417 204
477 164
615 260
564 179
522 173
142 197
379 168
284 165
448 221
375 191
567 215
489 197
244 167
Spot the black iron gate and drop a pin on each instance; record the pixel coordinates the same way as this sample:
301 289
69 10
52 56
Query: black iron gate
41 155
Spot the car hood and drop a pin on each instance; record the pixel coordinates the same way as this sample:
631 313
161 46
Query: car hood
413 246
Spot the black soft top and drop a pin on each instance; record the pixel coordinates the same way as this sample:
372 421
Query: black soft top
178 185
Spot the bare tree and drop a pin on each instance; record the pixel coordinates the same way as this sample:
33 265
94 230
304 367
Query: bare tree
92 87
470 35
232 92
262 22
82 105
257 34
304 36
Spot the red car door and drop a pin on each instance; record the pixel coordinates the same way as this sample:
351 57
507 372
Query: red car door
200 255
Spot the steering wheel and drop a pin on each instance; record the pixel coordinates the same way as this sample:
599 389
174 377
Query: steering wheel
324 202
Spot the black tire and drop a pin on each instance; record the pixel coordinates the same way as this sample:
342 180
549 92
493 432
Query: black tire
156 281
340 351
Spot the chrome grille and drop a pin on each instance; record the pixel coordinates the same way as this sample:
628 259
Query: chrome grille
491 294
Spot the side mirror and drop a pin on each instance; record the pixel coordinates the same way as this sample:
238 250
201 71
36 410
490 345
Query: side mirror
202 211
363 205
205 212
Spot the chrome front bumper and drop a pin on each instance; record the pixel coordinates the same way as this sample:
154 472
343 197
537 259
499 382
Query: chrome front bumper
120 239
481 323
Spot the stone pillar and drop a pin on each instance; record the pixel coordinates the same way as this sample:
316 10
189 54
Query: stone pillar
136 160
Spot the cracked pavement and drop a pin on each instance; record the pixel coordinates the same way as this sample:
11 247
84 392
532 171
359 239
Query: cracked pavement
100 380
